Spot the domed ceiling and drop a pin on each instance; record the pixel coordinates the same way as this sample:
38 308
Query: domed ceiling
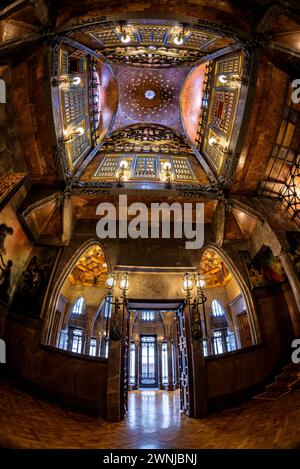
149 95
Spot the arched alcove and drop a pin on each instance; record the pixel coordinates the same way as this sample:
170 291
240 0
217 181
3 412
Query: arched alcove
229 313
77 300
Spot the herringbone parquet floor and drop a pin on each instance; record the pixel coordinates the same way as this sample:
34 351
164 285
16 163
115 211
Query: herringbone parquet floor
154 421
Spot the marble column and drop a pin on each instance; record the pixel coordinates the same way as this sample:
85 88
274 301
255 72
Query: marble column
292 275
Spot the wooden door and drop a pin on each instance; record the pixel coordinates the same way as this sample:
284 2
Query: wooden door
244 329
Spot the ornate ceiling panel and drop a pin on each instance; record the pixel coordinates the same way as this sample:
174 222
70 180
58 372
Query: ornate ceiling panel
191 101
145 138
282 176
91 268
153 44
149 95
214 270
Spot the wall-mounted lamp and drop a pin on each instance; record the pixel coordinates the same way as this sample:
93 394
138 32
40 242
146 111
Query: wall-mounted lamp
120 176
200 282
78 132
213 142
167 169
75 81
227 80
179 39
125 37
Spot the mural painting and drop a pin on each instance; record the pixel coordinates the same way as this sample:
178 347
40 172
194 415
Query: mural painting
293 239
25 270
33 281
14 252
265 269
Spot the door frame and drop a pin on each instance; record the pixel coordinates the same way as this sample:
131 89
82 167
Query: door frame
156 364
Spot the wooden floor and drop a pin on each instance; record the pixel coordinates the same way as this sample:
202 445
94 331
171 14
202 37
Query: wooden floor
154 421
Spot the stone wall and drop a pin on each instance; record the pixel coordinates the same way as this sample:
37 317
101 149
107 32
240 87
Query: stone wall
241 373
71 378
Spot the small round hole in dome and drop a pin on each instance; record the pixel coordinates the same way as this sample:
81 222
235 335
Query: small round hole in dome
150 94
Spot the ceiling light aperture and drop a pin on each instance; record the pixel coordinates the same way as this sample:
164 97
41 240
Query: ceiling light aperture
150 94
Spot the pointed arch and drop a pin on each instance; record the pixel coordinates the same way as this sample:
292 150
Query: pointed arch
62 277
245 289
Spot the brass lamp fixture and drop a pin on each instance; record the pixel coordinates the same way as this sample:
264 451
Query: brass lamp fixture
180 37
74 81
124 36
229 80
198 318
213 142
114 330
77 133
121 173
167 169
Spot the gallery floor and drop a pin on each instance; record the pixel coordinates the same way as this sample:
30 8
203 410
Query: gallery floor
154 421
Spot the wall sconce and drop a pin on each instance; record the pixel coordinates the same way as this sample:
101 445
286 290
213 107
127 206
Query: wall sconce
227 80
123 166
178 40
75 81
78 132
167 168
125 38
213 142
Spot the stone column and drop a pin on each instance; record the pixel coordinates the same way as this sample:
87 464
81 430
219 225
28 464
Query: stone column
170 366
200 382
86 347
292 275
113 397
98 346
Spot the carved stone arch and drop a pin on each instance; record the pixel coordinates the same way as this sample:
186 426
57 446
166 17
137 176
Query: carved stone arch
132 324
49 311
97 312
69 310
164 325
245 289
